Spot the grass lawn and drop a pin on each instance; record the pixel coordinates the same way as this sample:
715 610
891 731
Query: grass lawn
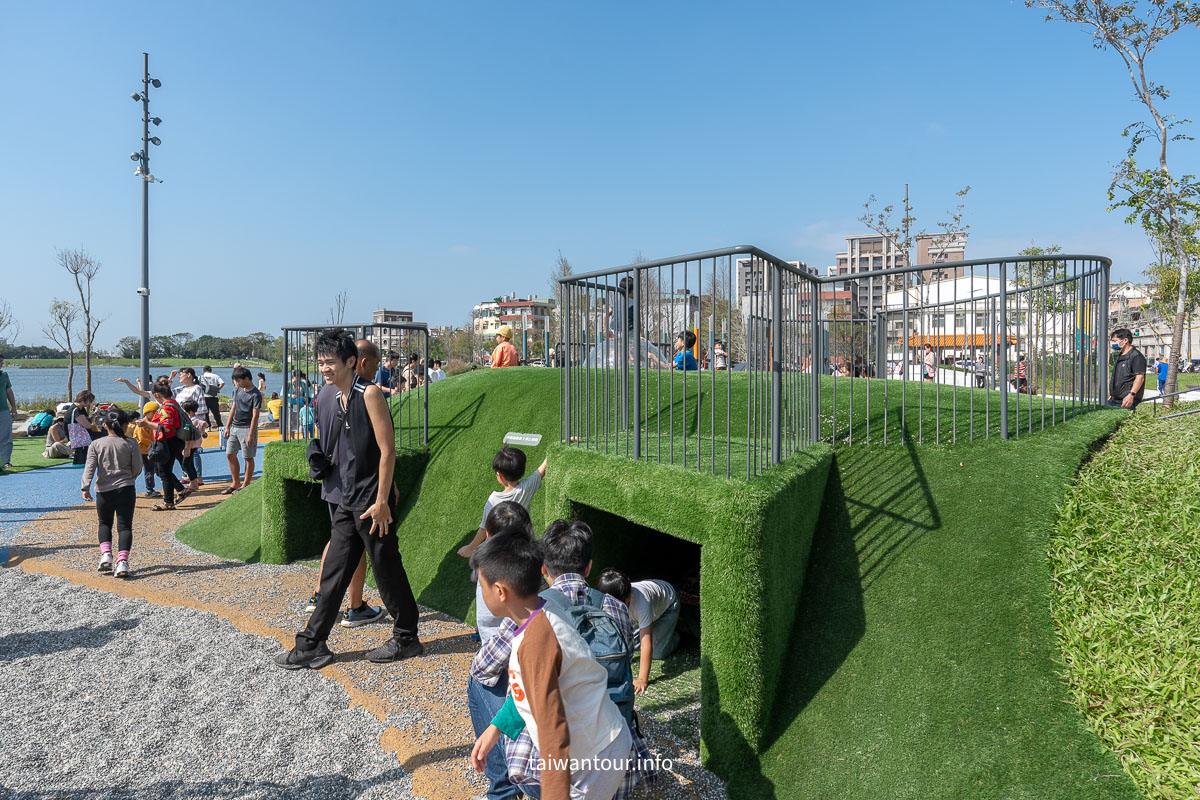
923 660
27 454
1127 602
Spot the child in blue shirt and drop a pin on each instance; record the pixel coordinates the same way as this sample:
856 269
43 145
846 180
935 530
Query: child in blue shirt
684 360
1163 367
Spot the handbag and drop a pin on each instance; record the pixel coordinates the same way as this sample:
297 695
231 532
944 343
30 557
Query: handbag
320 462
78 436
158 452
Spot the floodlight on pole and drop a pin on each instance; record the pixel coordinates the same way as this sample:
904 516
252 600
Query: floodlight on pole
143 172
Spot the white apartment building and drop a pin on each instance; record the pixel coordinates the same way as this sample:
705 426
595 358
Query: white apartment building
520 313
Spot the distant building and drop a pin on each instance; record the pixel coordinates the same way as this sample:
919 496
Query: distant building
864 254
390 338
520 313
942 250
755 282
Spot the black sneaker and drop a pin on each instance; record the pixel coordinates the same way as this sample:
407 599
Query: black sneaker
316 658
395 650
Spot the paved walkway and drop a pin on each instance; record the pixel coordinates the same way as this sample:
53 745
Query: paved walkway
421 704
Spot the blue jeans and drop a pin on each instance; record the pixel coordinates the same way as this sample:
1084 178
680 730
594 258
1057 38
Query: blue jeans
5 437
666 639
484 702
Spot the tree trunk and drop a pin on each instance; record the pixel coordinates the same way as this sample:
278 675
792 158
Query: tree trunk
87 366
70 376
1176 351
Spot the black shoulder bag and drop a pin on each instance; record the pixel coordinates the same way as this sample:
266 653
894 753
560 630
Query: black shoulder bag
320 462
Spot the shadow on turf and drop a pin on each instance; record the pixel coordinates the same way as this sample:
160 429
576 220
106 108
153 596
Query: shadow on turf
309 786
45 643
441 436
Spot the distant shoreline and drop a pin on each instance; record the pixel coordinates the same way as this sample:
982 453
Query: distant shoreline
62 363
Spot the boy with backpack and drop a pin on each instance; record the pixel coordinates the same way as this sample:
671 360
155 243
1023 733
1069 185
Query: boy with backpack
603 622
557 690
654 606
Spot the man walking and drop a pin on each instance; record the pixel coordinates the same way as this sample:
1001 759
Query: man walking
212 384
362 451
8 404
1128 382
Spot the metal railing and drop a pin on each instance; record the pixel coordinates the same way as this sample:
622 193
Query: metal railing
410 408
784 357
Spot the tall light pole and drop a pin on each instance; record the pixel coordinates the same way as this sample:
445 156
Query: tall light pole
143 172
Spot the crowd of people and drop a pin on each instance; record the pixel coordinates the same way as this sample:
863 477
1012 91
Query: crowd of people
552 711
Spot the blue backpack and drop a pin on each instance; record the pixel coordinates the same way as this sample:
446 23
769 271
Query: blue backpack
608 643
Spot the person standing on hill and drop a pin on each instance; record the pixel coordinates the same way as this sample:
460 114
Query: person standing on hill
362 452
505 355
1128 382
8 404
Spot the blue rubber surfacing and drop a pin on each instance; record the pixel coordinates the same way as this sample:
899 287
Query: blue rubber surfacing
25 496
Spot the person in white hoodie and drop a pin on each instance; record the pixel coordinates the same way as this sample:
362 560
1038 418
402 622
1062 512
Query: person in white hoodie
115 461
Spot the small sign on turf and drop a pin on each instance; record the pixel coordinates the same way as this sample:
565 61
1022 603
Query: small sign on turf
523 439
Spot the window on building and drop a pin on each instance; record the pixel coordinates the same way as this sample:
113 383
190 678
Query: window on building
960 320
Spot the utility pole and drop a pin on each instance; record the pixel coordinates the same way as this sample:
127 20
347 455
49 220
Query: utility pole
143 171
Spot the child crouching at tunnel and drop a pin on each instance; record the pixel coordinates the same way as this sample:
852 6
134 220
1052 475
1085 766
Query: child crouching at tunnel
654 608
115 461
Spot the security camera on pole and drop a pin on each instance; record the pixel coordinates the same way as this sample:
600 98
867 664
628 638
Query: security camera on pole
143 172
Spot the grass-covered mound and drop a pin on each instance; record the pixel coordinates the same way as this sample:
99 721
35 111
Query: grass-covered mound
1127 600
924 663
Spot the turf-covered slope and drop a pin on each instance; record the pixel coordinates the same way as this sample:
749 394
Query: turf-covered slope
925 663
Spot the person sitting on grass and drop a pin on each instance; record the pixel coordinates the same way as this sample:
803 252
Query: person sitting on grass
57 443
684 359
557 689
364 459
358 612
115 461
509 466
241 431
654 607
487 683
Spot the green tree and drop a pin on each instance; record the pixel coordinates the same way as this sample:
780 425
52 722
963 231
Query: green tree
129 347
1164 205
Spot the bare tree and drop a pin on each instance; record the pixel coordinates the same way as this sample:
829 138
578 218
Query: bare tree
338 312
60 330
1166 206
83 269
10 326
562 269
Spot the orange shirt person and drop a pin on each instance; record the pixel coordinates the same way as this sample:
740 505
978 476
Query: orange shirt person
505 355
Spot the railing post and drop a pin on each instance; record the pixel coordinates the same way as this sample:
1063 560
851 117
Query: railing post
1002 354
637 365
565 329
425 390
1100 346
777 365
283 417
815 366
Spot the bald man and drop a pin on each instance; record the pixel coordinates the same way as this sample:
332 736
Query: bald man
357 612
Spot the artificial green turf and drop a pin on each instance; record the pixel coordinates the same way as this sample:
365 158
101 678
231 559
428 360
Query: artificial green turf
1127 602
924 662
230 529
27 454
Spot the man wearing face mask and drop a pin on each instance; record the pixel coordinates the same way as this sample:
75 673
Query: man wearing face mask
1128 381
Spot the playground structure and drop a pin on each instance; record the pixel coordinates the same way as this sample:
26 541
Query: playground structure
405 338
804 339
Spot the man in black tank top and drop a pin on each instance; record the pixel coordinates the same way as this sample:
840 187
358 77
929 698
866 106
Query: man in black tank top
364 459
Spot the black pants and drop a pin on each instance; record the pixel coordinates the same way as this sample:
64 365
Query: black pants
348 537
118 502
166 470
214 408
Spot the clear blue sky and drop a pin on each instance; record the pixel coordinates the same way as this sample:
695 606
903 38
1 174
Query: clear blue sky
426 156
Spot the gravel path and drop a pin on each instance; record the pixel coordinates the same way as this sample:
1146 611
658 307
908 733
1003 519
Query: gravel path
110 697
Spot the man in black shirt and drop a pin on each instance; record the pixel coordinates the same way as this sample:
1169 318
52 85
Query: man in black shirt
1128 381
364 458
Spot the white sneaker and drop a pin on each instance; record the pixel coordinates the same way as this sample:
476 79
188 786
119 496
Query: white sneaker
105 564
122 570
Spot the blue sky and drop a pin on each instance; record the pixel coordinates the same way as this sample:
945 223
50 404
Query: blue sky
426 156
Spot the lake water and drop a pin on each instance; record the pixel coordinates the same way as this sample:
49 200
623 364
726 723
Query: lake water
29 383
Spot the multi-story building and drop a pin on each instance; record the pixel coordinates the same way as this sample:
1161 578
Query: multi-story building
1130 306
942 250
520 313
391 338
873 252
